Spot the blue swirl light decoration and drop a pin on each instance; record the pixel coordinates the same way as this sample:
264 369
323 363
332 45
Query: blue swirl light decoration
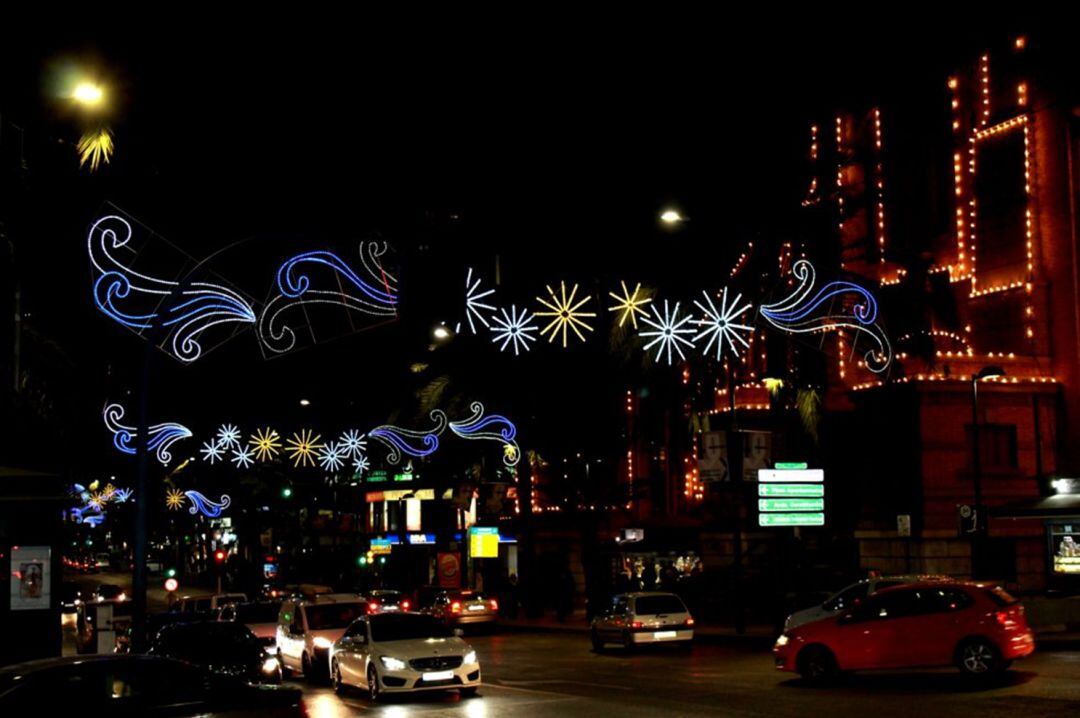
141 302
798 314
375 295
201 504
160 436
492 427
407 441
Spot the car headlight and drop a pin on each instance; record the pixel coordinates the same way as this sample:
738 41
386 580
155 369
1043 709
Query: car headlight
392 664
321 642
270 665
470 657
782 641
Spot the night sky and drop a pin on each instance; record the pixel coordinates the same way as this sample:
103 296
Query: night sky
550 143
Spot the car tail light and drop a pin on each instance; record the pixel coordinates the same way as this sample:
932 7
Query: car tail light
636 624
689 621
372 606
494 604
405 605
455 607
1004 619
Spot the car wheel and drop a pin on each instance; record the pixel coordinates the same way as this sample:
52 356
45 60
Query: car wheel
468 692
627 641
374 692
306 668
335 678
979 657
817 664
597 642
286 672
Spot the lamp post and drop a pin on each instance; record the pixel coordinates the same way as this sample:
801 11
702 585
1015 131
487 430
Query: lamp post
977 536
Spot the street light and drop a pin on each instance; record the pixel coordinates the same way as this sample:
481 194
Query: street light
671 217
88 94
441 333
987 372
305 402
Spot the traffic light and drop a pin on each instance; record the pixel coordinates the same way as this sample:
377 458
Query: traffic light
170 573
219 556
286 492
361 560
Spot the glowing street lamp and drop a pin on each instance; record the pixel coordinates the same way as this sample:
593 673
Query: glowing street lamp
672 217
88 94
442 333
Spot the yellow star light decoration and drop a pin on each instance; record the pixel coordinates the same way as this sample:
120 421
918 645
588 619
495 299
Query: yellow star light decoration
630 304
302 447
566 314
267 443
98 500
510 452
174 499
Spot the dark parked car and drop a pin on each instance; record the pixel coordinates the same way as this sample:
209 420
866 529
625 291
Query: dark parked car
143 686
228 649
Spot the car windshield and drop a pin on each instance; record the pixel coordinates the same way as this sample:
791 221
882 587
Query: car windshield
333 615
258 612
847 598
654 605
405 626
467 596
386 596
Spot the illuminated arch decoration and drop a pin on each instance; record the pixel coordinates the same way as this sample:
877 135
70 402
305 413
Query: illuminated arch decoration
182 311
160 436
407 441
375 295
803 313
202 505
722 324
493 427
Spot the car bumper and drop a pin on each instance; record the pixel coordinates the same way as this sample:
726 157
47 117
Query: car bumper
662 636
410 681
471 618
784 657
1018 645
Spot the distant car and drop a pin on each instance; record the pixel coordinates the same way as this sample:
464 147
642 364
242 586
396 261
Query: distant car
130 686
643 617
306 630
109 592
260 617
207 603
387 601
979 628
228 649
402 653
102 560
458 607
851 596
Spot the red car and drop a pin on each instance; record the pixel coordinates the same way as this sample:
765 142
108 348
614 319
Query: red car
978 628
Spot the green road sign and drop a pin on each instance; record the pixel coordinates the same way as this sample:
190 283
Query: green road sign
789 476
804 519
376 476
788 465
791 504
814 490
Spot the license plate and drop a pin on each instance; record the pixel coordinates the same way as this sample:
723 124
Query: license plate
438 675
665 634
390 608
477 608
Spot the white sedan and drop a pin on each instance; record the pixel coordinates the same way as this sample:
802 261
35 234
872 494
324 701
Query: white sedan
402 653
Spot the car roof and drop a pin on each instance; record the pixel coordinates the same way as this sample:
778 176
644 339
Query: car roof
935 583
644 594
325 598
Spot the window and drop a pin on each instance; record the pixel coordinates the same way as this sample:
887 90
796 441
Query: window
943 600
997 447
657 605
847 598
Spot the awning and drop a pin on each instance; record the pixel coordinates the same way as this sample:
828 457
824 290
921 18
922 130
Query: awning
1062 506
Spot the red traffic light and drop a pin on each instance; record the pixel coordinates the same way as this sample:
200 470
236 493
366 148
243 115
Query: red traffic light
219 556
171 584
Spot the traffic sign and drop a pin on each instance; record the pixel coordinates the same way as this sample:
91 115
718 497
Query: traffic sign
792 475
795 519
791 504
789 465
813 490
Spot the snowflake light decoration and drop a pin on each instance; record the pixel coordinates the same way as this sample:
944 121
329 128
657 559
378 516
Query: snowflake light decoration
212 451
720 325
302 447
360 465
174 499
243 457
98 500
630 304
332 456
474 307
122 495
267 443
514 329
352 443
565 314
228 436
668 332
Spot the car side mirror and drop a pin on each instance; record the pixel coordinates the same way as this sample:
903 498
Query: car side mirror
458 632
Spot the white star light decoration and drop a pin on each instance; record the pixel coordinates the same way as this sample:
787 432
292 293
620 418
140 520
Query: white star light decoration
332 457
212 451
228 436
720 325
513 329
668 332
243 457
352 443
474 307
630 304
360 464
565 313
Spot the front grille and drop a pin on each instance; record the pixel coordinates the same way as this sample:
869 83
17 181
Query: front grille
435 663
